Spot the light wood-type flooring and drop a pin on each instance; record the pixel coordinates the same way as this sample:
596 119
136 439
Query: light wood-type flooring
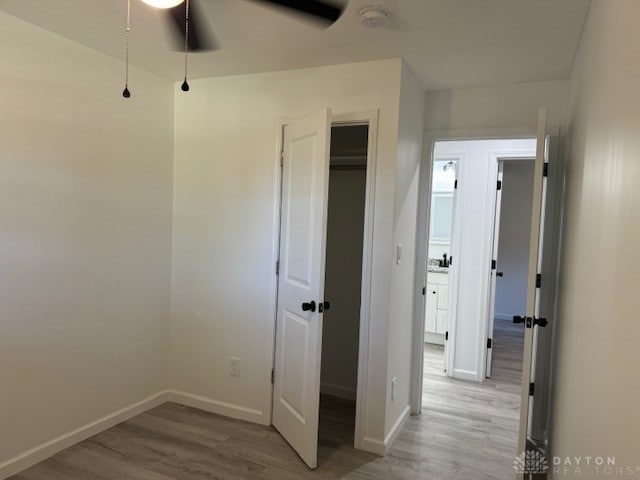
467 431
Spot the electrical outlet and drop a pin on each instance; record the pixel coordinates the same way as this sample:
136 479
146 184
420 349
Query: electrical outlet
394 387
234 366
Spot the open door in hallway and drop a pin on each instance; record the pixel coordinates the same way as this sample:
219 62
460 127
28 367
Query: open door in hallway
532 320
494 272
301 283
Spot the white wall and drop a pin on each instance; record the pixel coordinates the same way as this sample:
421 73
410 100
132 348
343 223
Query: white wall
506 107
596 386
403 288
514 237
340 331
475 203
85 236
224 241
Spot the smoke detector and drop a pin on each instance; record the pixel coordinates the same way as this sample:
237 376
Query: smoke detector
374 16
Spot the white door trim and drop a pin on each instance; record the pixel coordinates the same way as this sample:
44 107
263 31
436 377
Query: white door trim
369 118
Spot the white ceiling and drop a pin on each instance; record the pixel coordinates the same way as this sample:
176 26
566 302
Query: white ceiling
447 43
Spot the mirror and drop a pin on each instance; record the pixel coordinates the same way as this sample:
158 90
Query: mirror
441 219
441 210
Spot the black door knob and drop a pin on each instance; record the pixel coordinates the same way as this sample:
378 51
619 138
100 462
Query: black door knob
323 306
499 274
309 306
518 319
541 322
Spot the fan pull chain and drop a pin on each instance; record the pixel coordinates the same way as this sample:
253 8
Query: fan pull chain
126 93
185 84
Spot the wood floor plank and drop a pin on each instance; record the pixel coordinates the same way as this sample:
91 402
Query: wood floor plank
467 430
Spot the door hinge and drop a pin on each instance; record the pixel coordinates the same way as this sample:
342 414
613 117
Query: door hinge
455 185
499 185
273 375
424 290
282 158
488 343
545 169
277 267
538 280
531 389
494 264
446 335
450 260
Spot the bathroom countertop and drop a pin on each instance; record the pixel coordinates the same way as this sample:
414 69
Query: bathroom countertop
435 269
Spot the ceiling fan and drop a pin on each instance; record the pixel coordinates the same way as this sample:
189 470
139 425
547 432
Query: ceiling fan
192 35
199 35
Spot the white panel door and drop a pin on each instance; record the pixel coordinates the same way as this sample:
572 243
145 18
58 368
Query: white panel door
543 337
533 293
305 181
494 271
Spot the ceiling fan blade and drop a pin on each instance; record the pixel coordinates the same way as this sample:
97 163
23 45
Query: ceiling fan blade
324 11
201 39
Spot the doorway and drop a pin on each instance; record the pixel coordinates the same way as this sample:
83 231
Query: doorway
324 272
460 397
439 261
512 229
462 257
343 284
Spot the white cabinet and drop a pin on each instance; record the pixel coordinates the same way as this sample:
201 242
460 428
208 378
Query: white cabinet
443 297
437 308
432 308
441 321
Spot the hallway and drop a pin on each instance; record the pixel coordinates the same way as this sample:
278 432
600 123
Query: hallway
467 426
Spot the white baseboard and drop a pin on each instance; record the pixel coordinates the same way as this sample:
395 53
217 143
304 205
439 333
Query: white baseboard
42 452
50 448
381 447
396 428
465 375
372 445
338 391
214 406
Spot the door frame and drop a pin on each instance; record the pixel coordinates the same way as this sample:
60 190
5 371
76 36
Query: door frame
369 118
497 157
422 243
